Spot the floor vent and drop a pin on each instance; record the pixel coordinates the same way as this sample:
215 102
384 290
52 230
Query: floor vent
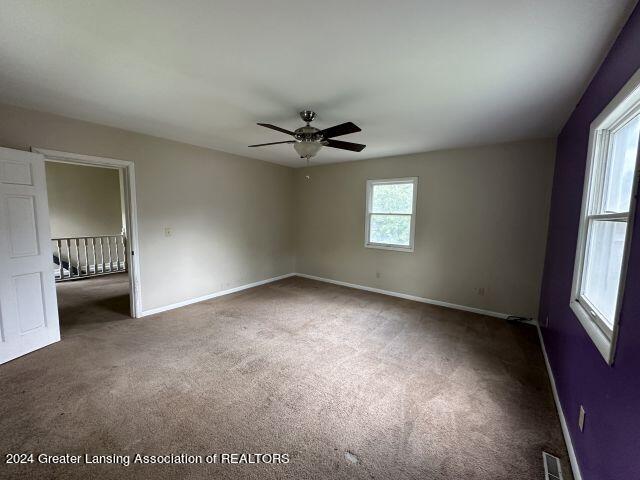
552 469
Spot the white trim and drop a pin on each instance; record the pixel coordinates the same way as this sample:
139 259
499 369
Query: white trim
603 343
624 106
127 171
209 296
563 422
368 213
406 296
384 246
76 158
184 303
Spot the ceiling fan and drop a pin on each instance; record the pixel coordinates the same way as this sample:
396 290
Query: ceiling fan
309 140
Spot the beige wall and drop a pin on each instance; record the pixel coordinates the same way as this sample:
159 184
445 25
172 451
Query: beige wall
231 216
83 201
481 216
481 223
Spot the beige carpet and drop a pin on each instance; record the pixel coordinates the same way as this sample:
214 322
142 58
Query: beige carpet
348 384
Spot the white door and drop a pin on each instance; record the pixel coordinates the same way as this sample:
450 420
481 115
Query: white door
28 305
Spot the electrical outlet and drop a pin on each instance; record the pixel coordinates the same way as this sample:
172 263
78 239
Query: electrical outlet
168 231
480 291
581 418
377 274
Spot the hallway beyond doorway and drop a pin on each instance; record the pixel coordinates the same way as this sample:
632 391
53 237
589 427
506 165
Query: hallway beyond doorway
93 300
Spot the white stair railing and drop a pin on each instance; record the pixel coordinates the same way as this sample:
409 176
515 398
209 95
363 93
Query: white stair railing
76 257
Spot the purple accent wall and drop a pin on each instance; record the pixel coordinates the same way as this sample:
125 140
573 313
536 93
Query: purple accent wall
609 447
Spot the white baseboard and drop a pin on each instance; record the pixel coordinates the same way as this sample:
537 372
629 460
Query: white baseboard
406 296
184 303
563 422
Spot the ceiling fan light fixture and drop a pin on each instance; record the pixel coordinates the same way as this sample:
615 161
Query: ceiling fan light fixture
307 140
307 149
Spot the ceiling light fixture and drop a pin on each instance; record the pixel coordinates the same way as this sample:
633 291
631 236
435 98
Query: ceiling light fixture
307 148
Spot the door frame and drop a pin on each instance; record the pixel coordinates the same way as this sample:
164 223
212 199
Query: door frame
126 170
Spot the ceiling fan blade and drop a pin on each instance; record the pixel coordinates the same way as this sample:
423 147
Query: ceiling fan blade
273 127
342 129
354 147
272 143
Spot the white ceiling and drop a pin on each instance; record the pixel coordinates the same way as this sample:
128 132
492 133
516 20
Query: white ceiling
415 75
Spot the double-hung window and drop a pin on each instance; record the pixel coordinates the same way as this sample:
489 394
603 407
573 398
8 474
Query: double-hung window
607 212
391 211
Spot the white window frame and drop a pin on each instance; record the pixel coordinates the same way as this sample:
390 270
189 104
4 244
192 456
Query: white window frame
620 110
368 213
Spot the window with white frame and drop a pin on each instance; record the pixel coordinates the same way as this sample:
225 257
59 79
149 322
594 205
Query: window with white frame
391 211
607 212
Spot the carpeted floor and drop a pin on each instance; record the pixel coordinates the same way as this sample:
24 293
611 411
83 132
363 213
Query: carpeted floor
348 384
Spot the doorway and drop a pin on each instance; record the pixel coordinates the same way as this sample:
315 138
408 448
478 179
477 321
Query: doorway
94 237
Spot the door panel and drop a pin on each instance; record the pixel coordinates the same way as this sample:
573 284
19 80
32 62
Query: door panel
23 236
28 290
28 306
16 173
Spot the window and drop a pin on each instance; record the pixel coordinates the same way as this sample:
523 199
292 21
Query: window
607 211
391 210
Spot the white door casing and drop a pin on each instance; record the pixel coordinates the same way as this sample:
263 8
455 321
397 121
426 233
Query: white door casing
128 192
28 305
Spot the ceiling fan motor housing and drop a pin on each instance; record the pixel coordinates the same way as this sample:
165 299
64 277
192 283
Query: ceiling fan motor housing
309 140
307 134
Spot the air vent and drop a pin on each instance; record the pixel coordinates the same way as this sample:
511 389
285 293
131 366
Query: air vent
552 469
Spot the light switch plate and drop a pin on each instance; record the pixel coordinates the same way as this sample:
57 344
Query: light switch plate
581 418
168 231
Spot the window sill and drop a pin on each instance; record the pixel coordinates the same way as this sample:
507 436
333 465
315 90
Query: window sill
397 248
601 341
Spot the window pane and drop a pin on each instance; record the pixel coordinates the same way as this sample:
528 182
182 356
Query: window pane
620 167
390 229
392 198
603 263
